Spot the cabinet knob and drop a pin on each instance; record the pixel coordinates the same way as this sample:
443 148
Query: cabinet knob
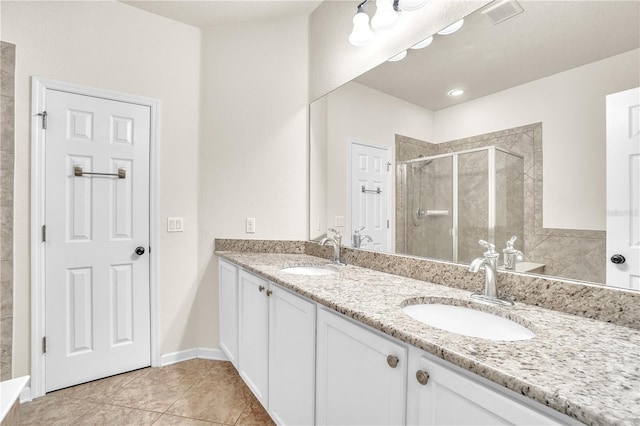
392 360
422 377
261 288
269 293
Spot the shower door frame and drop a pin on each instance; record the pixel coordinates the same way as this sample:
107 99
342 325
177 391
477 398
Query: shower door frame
491 188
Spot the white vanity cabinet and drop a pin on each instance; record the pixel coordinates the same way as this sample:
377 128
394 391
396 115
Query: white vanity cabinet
253 334
361 375
228 308
441 394
276 348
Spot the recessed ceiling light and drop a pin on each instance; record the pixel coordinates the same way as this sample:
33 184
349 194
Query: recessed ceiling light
456 92
452 28
424 43
400 56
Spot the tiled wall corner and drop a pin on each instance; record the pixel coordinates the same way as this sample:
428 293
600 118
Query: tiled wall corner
7 114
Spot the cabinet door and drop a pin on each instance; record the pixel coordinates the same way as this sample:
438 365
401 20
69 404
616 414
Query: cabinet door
292 328
228 308
452 398
253 343
355 384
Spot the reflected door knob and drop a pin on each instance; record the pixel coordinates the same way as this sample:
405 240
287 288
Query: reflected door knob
139 250
618 259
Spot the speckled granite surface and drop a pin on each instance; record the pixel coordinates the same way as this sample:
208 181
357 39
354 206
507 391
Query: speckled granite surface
586 369
608 304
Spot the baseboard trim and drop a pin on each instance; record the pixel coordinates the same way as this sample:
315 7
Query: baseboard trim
193 353
25 395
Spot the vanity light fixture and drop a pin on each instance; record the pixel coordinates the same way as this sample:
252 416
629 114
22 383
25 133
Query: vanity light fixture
412 4
451 28
400 56
456 92
386 16
361 34
424 43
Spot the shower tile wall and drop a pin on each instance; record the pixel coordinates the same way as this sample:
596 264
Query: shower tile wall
574 254
7 70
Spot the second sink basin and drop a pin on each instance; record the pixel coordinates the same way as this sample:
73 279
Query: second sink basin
468 322
309 270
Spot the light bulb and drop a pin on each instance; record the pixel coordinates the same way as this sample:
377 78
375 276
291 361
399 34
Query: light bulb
385 17
400 56
452 28
412 4
361 34
424 43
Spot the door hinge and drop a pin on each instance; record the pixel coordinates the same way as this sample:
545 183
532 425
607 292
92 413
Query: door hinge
388 166
44 233
44 345
387 223
43 114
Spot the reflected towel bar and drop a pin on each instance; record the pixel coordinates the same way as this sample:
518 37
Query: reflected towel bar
122 172
372 191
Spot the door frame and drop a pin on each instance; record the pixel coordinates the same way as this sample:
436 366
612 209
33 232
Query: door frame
391 209
39 87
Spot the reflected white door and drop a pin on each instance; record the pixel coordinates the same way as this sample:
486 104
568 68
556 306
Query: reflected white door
370 206
97 286
623 189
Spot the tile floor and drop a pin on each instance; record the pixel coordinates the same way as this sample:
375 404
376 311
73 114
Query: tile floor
196 392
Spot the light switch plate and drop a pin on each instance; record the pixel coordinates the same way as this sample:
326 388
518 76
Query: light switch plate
251 225
175 224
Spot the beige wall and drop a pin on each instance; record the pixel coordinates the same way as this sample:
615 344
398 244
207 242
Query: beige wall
571 107
112 46
254 142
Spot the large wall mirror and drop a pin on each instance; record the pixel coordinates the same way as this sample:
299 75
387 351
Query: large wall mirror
398 161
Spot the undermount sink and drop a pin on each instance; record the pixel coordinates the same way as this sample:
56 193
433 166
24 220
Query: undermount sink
309 270
468 322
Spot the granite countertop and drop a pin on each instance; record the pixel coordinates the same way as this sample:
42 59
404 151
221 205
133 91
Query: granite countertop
586 369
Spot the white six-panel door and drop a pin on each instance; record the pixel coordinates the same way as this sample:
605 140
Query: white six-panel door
370 209
96 285
623 189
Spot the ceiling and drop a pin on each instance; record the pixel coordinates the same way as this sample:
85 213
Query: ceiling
483 58
209 13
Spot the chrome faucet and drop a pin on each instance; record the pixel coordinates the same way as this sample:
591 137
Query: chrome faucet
488 262
358 239
511 255
336 242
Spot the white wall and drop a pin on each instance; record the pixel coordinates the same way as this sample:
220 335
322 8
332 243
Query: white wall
254 141
571 107
357 113
113 46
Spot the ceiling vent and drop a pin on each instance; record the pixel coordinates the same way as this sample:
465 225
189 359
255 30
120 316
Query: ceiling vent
503 10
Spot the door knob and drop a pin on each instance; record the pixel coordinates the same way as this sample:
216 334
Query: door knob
618 259
139 250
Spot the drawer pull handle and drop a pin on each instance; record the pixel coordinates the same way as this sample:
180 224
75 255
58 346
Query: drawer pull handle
392 360
261 288
269 293
422 377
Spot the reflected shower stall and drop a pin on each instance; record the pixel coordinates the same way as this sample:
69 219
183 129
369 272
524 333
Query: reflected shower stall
451 201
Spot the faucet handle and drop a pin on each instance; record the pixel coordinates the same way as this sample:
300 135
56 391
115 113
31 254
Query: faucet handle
357 231
487 245
335 231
